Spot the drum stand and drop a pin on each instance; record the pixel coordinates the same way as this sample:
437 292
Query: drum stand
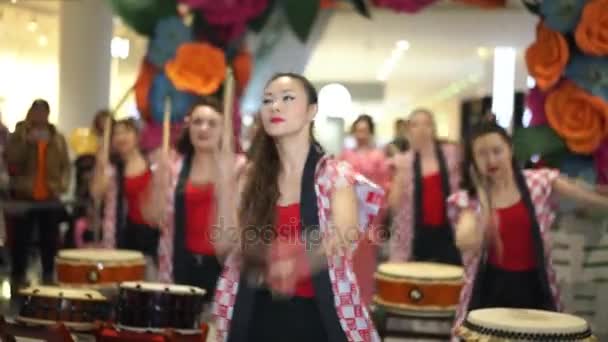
393 324
106 332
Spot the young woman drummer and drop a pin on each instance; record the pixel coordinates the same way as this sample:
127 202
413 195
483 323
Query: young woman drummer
502 223
183 200
118 182
425 176
290 237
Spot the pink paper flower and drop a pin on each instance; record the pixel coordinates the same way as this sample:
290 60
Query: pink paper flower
407 6
223 12
601 162
536 102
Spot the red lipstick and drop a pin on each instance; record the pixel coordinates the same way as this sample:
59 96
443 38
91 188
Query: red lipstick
277 119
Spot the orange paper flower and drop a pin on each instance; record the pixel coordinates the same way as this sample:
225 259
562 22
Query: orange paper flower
147 71
580 118
592 30
242 65
198 68
547 56
486 3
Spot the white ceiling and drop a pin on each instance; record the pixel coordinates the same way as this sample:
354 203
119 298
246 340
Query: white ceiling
443 46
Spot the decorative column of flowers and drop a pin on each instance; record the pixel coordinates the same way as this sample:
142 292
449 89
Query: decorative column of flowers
569 105
191 42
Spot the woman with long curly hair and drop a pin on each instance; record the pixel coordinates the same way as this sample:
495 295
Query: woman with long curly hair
290 231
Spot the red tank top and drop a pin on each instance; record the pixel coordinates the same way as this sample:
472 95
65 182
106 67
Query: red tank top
133 186
200 214
289 229
515 230
433 201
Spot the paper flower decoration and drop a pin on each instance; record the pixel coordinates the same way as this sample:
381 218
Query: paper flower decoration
535 100
161 90
169 34
592 30
222 12
590 73
242 65
222 35
84 141
198 68
142 15
562 15
152 134
407 6
147 72
581 119
547 57
601 162
486 3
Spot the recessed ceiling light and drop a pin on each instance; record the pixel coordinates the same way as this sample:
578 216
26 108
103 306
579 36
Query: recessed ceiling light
43 40
13 1
483 52
403 45
32 26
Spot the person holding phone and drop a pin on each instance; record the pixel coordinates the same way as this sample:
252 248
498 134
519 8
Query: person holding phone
502 220
425 176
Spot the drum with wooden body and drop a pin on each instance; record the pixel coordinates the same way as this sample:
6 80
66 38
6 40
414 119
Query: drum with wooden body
78 309
506 325
419 287
154 307
416 300
99 267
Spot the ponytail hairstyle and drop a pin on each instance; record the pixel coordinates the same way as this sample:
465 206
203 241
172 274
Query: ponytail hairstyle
261 191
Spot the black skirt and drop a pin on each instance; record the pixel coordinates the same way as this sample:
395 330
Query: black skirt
142 238
510 289
199 270
435 244
296 319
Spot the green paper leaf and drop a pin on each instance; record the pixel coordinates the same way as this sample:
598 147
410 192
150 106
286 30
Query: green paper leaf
541 140
362 8
142 15
258 23
301 15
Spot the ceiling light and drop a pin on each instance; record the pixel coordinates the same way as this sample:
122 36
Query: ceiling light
483 52
530 82
119 48
32 26
43 40
403 45
13 1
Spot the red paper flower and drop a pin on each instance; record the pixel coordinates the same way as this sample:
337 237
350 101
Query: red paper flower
407 6
223 12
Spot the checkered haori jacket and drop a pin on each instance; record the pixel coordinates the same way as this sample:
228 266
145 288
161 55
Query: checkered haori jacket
540 185
354 318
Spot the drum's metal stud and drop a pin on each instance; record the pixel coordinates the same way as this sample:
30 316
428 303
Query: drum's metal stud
36 291
61 294
416 295
89 295
138 286
167 289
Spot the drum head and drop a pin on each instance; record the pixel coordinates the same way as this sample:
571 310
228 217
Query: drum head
527 321
100 255
62 292
421 270
160 287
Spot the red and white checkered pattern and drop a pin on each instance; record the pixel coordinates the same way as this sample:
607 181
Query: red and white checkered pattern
540 185
403 223
354 317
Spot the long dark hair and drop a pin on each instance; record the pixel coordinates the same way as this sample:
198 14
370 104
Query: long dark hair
261 192
481 129
184 144
368 120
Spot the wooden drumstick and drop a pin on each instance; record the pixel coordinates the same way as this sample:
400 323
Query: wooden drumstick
228 134
166 126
